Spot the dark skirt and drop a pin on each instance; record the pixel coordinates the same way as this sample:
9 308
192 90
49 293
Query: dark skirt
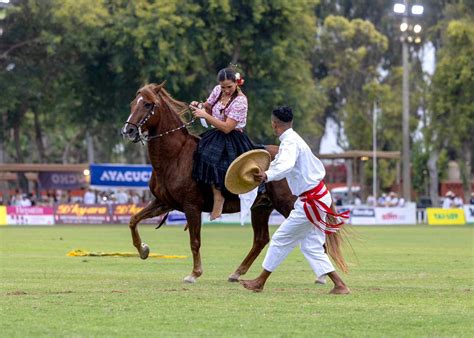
215 153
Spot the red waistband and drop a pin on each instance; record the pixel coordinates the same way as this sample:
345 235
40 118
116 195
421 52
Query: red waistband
316 191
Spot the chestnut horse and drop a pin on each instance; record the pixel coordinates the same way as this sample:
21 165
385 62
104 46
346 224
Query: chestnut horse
155 117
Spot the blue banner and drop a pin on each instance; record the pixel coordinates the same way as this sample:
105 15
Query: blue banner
61 180
117 175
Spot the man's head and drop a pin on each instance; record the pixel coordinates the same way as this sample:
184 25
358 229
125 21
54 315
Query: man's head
282 119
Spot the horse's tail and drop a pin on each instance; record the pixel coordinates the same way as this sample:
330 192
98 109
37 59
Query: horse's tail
334 243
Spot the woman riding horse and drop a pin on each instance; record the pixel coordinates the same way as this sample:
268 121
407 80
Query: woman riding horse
155 118
226 110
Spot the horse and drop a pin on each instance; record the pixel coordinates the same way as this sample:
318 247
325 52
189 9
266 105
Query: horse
156 118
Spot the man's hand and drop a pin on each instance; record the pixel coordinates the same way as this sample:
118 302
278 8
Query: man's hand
260 177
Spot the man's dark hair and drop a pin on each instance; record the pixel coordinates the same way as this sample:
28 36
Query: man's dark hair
283 113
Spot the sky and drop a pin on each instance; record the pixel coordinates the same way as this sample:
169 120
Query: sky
329 140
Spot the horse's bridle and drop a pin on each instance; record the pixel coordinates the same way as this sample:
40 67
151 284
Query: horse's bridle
146 138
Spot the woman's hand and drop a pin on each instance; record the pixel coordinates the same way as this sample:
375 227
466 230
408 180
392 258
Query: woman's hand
194 103
200 113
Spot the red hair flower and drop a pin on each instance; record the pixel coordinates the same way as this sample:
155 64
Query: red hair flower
239 80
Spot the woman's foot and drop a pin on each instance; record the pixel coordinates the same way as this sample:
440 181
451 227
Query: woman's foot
218 204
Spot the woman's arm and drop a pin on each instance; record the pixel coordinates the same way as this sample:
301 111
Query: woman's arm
225 127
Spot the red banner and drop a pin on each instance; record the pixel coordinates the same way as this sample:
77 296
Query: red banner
82 214
121 213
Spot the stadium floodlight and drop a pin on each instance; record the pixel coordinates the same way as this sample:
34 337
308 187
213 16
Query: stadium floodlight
399 8
417 28
417 9
403 26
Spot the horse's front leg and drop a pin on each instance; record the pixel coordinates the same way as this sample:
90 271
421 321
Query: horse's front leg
153 209
193 217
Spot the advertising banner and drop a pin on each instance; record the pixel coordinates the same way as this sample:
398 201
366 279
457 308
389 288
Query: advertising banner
438 216
30 215
176 217
469 213
362 216
125 176
61 180
121 213
3 215
396 215
82 214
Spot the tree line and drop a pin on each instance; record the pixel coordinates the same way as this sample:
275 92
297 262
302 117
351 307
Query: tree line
69 68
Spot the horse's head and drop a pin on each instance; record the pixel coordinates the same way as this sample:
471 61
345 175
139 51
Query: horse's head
144 112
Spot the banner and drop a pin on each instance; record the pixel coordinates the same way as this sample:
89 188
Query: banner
469 213
30 215
396 215
362 216
82 214
61 180
125 176
438 216
3 215
121 213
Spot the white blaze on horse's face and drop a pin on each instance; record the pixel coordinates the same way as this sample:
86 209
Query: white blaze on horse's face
131 114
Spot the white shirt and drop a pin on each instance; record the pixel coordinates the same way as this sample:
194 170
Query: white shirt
296 162
447 203
89 197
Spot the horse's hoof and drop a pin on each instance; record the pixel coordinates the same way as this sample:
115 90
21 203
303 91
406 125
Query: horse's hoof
233 278
144 251
190 279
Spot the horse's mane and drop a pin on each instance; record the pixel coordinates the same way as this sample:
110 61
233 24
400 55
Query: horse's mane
151 92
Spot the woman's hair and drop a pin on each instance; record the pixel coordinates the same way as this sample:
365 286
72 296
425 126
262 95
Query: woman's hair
227 74
283 113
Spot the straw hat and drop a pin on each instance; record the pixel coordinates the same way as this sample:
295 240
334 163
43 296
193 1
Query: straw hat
239 177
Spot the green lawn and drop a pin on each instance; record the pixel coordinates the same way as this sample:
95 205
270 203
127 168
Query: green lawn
405 281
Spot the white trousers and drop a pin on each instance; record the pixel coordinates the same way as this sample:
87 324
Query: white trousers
297 229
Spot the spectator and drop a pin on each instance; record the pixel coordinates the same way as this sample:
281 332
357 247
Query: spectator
122 197
393 201
448 201
472 198
135 199
458 202
401 202
89 197
371 201
357 201
382 199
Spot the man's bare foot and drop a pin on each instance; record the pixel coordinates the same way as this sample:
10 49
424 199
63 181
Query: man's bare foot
340 290
254 285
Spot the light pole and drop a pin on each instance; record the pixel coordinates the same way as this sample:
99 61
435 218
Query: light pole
406 28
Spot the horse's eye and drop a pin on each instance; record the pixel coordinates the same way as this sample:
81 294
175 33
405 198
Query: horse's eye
148 105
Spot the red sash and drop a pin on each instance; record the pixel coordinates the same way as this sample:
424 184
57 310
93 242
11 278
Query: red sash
313 206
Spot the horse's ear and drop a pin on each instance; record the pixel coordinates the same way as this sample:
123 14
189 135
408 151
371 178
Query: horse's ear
157 88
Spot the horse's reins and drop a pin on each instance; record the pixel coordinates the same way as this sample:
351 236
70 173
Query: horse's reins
146 138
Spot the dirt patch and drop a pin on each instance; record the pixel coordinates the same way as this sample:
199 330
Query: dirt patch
175 290
16 293
119 291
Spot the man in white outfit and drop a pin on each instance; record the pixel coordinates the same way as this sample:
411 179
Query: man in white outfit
306 224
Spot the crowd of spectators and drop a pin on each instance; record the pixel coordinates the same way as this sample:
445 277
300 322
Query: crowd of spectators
386 200
86 196
452 201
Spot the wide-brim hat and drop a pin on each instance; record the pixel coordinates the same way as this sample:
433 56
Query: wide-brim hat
239 178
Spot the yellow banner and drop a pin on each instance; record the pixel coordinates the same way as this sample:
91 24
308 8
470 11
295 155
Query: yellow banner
438 216
3 215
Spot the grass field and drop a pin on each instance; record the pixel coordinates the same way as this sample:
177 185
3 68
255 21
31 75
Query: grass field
405 281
